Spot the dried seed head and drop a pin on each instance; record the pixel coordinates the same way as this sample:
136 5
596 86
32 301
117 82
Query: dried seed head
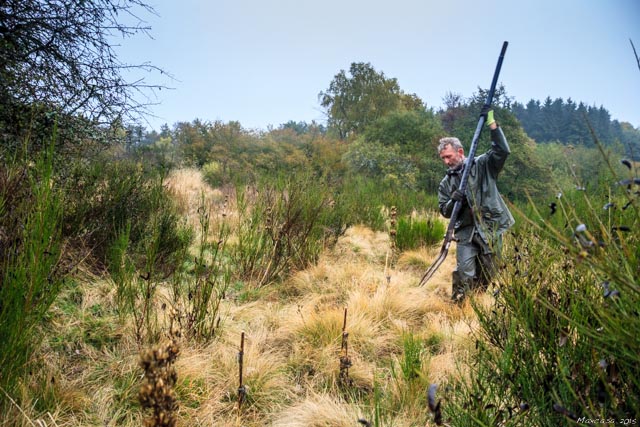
160 376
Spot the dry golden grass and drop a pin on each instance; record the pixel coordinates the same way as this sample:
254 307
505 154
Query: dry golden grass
293 336
192 194
318 410
188 188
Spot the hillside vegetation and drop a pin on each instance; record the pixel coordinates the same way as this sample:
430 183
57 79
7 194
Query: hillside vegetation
214 275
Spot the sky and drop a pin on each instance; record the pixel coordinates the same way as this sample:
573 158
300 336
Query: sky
264 62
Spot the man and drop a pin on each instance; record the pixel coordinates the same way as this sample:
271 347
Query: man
484 215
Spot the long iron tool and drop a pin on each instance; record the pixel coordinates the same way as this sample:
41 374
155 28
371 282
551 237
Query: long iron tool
448 237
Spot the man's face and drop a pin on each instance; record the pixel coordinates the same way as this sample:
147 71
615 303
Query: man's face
452 157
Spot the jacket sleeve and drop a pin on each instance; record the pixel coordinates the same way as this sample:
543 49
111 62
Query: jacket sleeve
498 153
445 203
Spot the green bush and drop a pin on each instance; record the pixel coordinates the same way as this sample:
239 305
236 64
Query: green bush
283 227
411 361
200 287
31 271
362 200
106 196
213 174
560 344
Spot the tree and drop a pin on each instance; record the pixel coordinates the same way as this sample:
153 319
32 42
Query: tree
58 56
353 102
570 122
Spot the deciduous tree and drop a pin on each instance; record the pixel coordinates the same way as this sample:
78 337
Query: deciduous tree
58 56
354 101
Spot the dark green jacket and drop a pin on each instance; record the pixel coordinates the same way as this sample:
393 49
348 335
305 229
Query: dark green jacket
484 207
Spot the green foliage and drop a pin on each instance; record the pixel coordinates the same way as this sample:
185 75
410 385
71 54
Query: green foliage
135 293
356 101
228 153
524 173
399 147
574 166
415 230
412 130
283 227
566 122
200 288
363 200
411 362
559 341
122 270
376 160
303 127
30 267
212 173
106 197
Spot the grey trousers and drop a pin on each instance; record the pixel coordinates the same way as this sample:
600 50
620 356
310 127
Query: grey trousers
476 262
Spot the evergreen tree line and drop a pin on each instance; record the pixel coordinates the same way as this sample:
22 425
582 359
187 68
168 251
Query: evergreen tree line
567 122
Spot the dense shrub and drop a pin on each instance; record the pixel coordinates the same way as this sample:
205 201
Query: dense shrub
559 343
105 197
365 200
283 226
31 271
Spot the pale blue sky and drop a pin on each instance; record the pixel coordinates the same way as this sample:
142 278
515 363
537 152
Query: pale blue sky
263 62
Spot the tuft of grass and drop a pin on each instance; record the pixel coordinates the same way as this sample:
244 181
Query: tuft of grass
411 361
319 410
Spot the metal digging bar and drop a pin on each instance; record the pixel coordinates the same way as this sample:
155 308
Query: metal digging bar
448 237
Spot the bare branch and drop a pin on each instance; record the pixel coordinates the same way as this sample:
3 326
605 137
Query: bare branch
61 53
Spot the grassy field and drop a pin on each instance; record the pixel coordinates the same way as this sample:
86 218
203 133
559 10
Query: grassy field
400 338
348 340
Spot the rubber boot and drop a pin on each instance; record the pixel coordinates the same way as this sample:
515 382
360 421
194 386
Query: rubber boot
486 269
458 287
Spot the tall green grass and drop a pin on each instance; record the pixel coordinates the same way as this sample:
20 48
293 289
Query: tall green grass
417 230
363 201
144 246
104 196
